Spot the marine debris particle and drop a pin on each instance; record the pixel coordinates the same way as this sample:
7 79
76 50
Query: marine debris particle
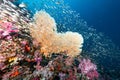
45 32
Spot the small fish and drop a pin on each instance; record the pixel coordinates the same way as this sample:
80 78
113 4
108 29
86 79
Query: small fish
22 5
58 2
12 59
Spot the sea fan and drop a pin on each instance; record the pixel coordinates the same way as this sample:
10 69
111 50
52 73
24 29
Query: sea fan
45 32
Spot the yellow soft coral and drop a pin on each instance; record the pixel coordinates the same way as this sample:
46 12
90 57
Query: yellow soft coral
45 32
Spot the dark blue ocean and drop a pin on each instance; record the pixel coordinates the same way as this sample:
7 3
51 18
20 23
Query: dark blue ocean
97 20
103 15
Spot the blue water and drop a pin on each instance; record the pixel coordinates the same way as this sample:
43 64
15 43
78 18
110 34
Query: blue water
104 15
98 22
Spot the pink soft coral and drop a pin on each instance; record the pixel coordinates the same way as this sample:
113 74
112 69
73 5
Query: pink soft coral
88 68
7 25
6 29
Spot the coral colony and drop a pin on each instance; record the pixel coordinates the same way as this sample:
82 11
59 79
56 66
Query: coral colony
32 49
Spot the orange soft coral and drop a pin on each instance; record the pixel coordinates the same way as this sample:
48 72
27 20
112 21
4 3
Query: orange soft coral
45 32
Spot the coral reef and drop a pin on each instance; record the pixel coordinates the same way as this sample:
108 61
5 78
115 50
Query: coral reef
45 32
25 46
